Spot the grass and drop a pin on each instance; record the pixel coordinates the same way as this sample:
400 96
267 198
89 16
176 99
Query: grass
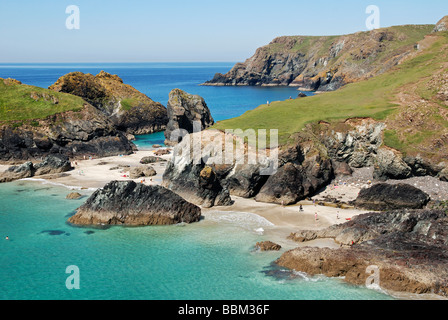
371 98
17 104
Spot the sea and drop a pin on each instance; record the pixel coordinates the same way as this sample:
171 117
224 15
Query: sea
46 258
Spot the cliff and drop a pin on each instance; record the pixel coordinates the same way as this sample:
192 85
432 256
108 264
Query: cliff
325 63
130 110
129 203
35 122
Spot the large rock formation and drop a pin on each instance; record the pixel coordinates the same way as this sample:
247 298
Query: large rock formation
383 196
130 110
52 164
408 247
442 25
183 111
324 63
38 122
305 171
128 203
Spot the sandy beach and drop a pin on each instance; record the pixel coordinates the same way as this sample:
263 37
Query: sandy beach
92 174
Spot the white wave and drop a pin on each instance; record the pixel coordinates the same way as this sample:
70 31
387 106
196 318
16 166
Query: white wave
58 184
250 221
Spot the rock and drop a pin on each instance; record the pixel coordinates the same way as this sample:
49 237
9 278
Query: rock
443 175
150 159
390 165
142 171
302 95
74 196
156 146
341 169
73 134
383 196
245 180
53 163
442 25
420 167
162 152
183 111
13 173
268 246
194 180
314 64
304 173
408 246
129 203
130 110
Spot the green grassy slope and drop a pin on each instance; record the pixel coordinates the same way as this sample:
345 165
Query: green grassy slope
373 98
23 102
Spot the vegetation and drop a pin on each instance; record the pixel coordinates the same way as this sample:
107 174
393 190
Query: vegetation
22 102
375 98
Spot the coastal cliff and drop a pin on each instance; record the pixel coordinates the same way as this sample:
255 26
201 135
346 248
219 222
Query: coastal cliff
130 110
325 63
35 122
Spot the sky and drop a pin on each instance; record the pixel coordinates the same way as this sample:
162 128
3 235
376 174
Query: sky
183 30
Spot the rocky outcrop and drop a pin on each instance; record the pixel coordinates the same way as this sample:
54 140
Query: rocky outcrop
52 164
129 203
130 110
268 246
409 248
22 171
183 111
151 159
383 196
442 25
305 172
390 165
73 134
142 171
74 196
323 63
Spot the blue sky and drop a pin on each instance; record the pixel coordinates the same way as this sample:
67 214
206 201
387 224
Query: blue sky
175 30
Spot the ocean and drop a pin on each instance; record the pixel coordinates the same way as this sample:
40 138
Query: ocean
210 260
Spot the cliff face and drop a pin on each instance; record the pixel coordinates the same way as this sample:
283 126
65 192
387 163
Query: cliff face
53 123
183 110
324 63
130 110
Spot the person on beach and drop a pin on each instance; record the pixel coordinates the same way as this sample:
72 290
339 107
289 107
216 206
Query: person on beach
301 208
337 215
315 217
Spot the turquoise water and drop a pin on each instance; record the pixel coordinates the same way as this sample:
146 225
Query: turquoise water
212 259
209 260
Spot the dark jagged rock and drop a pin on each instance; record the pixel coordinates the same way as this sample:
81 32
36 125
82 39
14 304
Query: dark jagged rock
341 168
13 173
304 173
409 248
130 110
129 203
383 196
183 110
246 181
73 134
268 246
53 163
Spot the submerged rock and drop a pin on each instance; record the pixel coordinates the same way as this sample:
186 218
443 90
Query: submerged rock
383 196
129 203
268 246
74 196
